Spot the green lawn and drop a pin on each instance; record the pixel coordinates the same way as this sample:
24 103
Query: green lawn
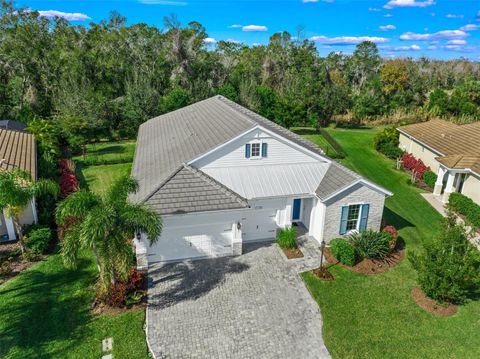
107 152
374 316
45 313
313 136
97 178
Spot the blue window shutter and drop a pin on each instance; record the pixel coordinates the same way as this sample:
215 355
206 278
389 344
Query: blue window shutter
343 220
247 150
364 218
264 150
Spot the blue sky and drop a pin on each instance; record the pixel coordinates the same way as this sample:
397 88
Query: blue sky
432 28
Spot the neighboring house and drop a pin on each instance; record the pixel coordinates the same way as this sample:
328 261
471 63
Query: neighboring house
452 151
221 175
17 151
12 125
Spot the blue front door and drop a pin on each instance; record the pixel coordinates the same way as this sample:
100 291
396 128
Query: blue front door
297 202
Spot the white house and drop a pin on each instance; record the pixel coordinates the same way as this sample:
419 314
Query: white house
221 175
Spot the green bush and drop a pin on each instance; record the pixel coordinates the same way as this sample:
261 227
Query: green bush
343 251
371 244
287 238
390 150
39 239
387 135
430 178
465 206
449 267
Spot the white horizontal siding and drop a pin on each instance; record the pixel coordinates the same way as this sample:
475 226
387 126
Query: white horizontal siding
233 154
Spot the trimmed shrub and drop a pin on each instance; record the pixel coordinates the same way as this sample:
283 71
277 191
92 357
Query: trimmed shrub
287 238
392 231
391 151
430 178
449 267
465 206
116 295
68 184
343 251
38 240
371 244
386 140
413 164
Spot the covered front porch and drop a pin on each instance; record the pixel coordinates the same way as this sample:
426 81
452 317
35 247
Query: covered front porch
449 181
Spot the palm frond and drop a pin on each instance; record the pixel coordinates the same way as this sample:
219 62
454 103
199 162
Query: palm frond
71 245
78 205
121 188
139 217
45 186
97 225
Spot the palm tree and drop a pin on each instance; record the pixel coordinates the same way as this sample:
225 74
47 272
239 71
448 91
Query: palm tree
17 189
105 225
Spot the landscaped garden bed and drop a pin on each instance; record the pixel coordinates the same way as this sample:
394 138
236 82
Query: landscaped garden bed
432 306
12 262
287 241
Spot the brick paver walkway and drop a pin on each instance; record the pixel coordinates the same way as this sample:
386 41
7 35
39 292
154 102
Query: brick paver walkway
252 306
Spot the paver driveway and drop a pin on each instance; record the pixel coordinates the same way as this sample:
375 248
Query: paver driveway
252 306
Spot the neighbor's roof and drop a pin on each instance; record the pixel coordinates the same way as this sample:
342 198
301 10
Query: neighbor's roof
451 141
190 190
271 181
166 143
18 151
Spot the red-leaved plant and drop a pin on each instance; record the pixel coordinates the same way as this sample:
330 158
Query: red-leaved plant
413 164
392 231
68 184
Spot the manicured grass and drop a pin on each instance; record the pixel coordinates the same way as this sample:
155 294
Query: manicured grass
97 178
313 136
374 316
45 313
107 152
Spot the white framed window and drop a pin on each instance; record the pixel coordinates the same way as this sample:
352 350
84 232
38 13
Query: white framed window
353 219
256 147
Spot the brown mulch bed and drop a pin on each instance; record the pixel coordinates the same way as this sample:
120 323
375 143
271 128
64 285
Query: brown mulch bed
292 253
16 264
99 308
323 273
431 305
369 266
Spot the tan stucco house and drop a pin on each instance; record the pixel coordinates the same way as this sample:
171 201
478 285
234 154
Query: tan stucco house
452 151
17 151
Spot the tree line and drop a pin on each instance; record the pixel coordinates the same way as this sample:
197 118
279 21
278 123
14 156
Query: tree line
73 84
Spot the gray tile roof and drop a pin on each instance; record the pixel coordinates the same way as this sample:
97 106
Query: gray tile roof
191 190
336 178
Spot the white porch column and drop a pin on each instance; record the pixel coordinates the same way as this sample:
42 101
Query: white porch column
439 183
34 210
141 252
10 227
236 239
449 187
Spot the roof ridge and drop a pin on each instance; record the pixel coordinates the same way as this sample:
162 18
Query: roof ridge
200 174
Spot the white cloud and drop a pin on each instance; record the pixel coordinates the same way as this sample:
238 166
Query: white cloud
254 28
432 47
209 40
440 35
408 3
387 27
163 2
459 48
470 27
235 26
454 16
388 15
347 40
478 15
374 9
457 42
71 16
402 48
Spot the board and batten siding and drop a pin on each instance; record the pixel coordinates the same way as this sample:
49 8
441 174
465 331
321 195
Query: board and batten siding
233 154
358 194
419 151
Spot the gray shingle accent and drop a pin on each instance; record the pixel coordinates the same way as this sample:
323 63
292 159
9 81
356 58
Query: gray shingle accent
191 190
336 178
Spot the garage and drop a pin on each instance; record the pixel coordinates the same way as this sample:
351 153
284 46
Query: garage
259 224
192 242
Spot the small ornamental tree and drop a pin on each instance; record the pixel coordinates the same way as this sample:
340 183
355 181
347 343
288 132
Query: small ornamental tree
449 267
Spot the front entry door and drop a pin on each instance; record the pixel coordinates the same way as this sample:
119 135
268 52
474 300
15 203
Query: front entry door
297 206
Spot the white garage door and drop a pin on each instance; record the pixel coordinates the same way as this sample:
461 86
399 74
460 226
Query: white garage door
259 224
189 242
